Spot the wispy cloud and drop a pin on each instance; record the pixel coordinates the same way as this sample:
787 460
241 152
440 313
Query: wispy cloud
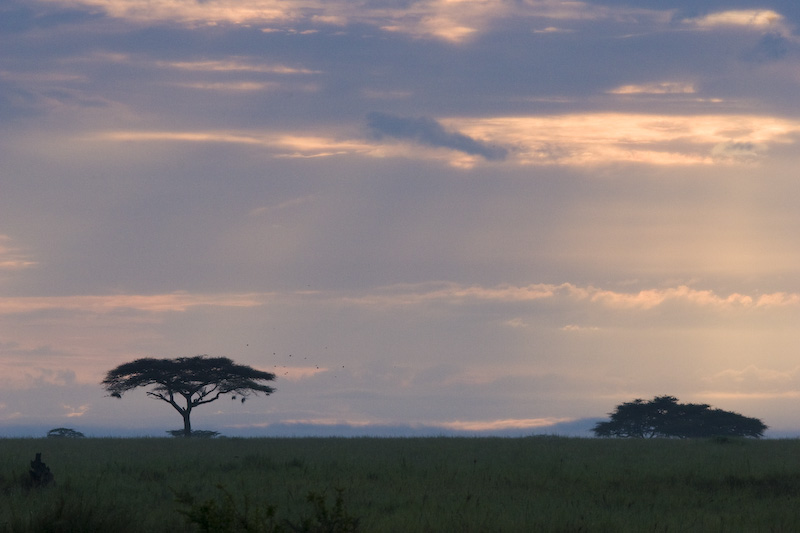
177 301
429 132
666 87
21 374
601 138
579 329
752 374
495 425
324 422
647 299
288 204
240 66
588 139
757 19
454 21
443 19
76 412
552 29
11 258
732 396
284 144
239 86
251 11
405 295
235 64
298 373
455 425
415 295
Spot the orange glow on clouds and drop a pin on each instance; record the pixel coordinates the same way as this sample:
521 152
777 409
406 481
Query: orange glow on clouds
450 20
11 258
656 88
232 86
459 425
648 299
717 395
406 295
177 301
508 423
576 140
298 373
759 19
235 65
325 422
602 138
411 295
76 412
183 11
752 373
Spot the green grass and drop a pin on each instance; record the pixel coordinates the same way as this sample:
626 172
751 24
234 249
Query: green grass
416 484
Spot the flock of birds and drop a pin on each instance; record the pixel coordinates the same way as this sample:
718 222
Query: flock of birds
288 369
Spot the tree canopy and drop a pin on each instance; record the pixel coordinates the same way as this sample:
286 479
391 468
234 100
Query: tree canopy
65 433
198 380
663 416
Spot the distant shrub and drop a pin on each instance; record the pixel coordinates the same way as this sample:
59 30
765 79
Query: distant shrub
196 434
326 519
65 514
224 514
722 439
65 433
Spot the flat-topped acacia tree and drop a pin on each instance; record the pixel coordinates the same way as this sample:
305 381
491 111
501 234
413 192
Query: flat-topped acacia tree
664 417
197 380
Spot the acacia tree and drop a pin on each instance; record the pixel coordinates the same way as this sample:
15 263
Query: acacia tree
196 380
663 416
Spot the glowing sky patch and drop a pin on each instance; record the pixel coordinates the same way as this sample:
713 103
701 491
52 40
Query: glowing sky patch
668 87
503 424
101 304
236 65
607 138
749 18
547 140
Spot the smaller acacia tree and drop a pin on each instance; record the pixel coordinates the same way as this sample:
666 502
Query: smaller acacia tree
65 433
196 380
663 416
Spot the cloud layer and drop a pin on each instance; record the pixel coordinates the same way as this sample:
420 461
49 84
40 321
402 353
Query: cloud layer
431 133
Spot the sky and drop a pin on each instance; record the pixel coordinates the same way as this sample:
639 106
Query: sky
421 215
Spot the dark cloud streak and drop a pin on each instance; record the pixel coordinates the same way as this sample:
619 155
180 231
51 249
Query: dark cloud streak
429 132
18 17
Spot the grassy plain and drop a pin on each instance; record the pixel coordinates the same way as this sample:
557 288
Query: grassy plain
414 484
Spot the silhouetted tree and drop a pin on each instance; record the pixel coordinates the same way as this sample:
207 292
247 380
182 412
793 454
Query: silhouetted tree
198 380
65 433
663 416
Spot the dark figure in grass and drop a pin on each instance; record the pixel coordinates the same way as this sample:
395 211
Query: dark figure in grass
40 473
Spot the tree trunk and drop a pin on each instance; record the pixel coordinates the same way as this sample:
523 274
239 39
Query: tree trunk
187 425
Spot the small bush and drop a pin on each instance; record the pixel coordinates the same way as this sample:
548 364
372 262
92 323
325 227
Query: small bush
65 433
325 519
223 514
67 515
196 434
